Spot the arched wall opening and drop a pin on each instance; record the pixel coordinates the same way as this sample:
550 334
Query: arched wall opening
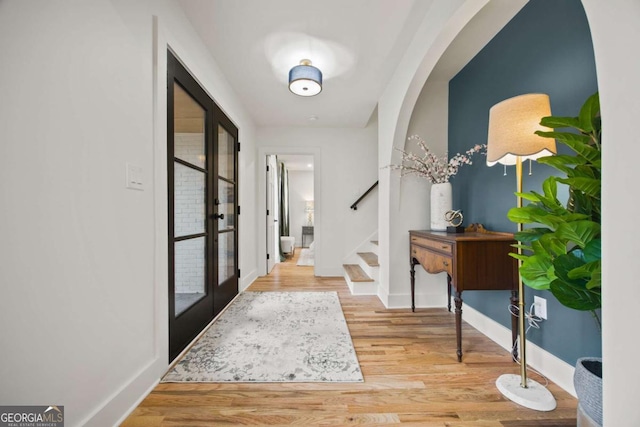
614 29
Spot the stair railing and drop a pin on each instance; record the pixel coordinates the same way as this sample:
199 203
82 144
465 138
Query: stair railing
354 206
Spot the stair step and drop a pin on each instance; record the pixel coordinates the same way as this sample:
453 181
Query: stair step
370 258
375 242
356 274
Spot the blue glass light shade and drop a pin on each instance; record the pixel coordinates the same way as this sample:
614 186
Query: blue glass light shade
305 79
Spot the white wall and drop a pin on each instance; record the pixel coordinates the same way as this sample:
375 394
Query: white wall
344 168
300 190
83 312
614 27
429 120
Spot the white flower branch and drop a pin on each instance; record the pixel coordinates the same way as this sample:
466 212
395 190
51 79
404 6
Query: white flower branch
436 170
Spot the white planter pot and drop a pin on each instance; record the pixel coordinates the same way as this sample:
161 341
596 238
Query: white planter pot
440 203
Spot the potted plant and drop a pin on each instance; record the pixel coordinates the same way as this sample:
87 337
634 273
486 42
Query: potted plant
562 250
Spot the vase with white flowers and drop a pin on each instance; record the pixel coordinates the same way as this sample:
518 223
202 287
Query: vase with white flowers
438 170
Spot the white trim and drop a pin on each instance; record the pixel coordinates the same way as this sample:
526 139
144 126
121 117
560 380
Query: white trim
247 280
422 300
383 296
557 370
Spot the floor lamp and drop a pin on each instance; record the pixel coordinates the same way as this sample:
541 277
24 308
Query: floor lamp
511 141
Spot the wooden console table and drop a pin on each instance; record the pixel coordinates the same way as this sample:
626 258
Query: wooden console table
472 260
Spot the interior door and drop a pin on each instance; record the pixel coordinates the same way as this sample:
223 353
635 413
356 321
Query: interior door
272 222
225 210
200 208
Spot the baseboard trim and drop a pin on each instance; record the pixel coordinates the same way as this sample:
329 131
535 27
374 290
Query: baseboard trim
329 272
118 406
552 367
422 300
362 288
248 280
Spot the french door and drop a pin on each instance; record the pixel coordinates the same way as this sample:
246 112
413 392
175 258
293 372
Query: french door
202 159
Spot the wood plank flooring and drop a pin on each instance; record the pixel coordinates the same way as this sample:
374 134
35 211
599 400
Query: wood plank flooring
410 370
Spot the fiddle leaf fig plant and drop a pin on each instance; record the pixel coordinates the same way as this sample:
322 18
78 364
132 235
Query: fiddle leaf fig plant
561 250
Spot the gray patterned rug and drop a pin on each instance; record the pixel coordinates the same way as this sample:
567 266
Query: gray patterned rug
274 337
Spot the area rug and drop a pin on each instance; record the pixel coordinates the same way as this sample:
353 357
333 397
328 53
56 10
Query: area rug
274 337
306 257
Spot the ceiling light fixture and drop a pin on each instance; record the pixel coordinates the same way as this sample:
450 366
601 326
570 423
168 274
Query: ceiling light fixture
305 79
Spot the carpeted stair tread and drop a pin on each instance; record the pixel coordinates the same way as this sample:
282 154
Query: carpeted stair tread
356 274
370 258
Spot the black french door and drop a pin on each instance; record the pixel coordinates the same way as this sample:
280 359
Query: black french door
202 159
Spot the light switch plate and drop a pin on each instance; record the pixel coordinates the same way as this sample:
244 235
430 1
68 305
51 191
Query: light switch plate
135 177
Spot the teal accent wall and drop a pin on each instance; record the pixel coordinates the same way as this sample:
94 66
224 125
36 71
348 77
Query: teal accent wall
545 48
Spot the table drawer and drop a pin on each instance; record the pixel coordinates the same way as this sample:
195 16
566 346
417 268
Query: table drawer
432 262
443 247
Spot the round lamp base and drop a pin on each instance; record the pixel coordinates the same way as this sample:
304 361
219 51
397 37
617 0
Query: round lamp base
534 396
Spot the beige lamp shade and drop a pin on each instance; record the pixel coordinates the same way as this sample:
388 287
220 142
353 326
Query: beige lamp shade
512 126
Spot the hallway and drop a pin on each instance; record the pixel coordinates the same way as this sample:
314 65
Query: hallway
409 365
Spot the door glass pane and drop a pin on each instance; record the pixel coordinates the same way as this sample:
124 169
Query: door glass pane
226 256
189 200
226 154
226 197
189 128
189 273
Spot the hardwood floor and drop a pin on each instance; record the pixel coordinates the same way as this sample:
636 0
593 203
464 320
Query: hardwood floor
409 364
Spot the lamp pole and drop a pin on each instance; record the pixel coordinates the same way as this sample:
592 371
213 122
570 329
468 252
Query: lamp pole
521 316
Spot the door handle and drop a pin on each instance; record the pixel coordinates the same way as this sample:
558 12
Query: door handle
217 216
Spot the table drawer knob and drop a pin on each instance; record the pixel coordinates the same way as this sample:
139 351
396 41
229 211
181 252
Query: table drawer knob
445 263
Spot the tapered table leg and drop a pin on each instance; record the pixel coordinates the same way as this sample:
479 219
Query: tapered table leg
458 301
413 283
449 292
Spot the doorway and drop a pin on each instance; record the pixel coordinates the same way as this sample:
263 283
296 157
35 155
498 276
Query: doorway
202 197
290 210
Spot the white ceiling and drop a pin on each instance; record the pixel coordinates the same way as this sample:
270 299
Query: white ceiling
355 43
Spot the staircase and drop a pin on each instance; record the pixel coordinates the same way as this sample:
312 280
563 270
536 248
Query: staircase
361 270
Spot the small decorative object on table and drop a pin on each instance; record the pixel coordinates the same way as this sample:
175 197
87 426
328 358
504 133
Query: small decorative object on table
454 218
438 171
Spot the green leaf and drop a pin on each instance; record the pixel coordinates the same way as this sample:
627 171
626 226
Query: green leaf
564 136
596 281
560 122
535 272
531 234
593 250
531 214
584 300
589 186
552 245
550 188
518 256
579 232
533 197
578 143
585 271
589 112
562 162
